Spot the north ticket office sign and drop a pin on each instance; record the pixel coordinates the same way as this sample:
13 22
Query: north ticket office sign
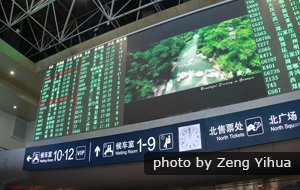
234 52
257 126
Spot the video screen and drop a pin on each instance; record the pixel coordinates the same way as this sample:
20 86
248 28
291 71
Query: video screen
201 57
213 62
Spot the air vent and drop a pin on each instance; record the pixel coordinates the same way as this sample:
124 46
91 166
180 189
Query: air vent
19 129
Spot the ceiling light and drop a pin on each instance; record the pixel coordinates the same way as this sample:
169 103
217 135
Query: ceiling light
12 72
15 107
18 31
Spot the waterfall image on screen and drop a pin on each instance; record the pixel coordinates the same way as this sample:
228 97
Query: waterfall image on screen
193 59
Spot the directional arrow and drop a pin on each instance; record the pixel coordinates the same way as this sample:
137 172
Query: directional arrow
97 150
28 158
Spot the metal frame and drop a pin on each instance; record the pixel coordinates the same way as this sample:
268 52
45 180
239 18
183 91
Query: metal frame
71 28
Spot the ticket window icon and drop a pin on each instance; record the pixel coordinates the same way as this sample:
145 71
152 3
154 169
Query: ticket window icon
254 126
108 149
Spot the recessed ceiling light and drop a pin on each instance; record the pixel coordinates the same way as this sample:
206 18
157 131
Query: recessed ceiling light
15 107
12 72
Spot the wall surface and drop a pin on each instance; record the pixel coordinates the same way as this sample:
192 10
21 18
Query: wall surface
30 131
7 141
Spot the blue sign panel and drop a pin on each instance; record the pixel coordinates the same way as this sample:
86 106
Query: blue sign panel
129 147
252 127
236 130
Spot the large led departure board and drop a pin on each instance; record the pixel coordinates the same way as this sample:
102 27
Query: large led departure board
83 93
234 52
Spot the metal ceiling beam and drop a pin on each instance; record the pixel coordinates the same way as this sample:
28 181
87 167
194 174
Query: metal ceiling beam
45 23
77 27
79 33
123 8
28 14
136 9
112 8
112 19
48 44
31 17
100 21
82 23
156 6
55 19
67 20
138 12
11 12
32 9
71 27
101 8
19 35
27 5
33 33
4 13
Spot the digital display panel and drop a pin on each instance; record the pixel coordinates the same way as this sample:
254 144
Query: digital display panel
231 53
83 92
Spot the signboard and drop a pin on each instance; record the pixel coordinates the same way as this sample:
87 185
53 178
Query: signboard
257 126
206 59
251 127
114 149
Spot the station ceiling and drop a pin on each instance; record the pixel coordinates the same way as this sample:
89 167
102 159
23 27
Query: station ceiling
40 28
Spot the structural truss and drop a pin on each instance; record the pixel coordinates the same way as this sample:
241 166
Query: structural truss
44 27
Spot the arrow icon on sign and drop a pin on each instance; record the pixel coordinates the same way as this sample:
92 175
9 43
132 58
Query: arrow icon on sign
28 158
97 150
